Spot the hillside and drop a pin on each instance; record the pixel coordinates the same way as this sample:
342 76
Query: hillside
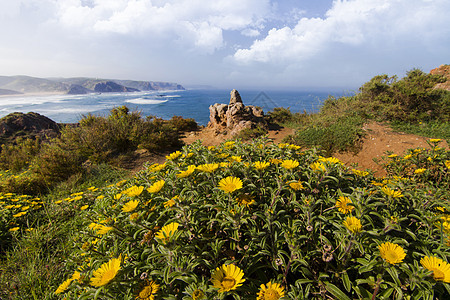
79 85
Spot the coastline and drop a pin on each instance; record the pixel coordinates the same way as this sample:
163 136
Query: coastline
33 94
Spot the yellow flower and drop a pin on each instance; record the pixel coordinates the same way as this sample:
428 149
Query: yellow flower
297 185
76 275
447 164
261 165
84 207
63 286
392 253
186 173
198 294
227 278
435 140
229 144
317 166
174 155
133 191
342 204
156 187
106 272
360 173
149 291
117 196
100 229
245 200
170 203
134 216
440 268
130 206
235 159
419 171
166 233
20 214
230 184
156 167
407 156
275 161
208 168
289 164
332 160
270 291
392 155
14 229
391 192
353 224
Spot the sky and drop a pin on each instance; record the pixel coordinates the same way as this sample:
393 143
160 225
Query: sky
261 44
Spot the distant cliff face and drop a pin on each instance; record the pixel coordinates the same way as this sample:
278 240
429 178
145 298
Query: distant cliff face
443 70
29 125
80 85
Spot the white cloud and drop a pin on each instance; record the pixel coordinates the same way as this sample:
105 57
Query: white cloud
356 24
198 23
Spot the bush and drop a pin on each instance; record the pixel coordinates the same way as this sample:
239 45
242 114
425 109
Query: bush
265 213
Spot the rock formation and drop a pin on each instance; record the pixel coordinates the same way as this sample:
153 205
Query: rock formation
443 70
235 116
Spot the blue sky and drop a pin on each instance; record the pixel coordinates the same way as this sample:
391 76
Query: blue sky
228 44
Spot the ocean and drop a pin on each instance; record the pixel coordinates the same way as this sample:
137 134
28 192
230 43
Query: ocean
190 103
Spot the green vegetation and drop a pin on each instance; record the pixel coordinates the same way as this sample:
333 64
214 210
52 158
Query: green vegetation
410 104
237 221
38 166
266 213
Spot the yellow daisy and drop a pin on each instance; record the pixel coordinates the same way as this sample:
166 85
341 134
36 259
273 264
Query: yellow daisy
156 187
235 159
391 192
186 173
19 214
419 171
353 224
166 233
174 155
208 168
392 253
230 184
261 165
435 140
84 207
270 291
134 191
106 272
317 167
14 229
289 164
227 278
440 268
297 185
130 206
342 205
63 286
447 164
149 291
170 203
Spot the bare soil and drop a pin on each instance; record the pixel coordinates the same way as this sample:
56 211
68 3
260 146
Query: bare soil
378 141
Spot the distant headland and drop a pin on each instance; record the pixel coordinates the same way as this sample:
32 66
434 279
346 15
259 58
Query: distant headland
14 85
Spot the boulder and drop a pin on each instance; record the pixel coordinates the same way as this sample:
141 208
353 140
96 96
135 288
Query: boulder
235 116
443 70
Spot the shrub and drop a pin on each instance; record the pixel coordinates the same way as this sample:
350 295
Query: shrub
266 213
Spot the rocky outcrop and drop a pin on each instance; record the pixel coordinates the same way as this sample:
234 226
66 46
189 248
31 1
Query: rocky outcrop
235 116
443 70
29 125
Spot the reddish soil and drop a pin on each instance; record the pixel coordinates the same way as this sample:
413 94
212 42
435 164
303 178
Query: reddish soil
378 141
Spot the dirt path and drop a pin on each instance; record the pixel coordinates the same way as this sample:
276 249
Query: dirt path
378 141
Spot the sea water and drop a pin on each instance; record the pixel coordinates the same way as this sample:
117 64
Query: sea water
191 103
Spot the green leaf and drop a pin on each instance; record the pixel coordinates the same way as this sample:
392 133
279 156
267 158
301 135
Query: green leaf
346 281
335 291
